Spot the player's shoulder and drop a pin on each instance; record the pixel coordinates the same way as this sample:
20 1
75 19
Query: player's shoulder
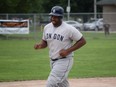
71 29
68 26
48 25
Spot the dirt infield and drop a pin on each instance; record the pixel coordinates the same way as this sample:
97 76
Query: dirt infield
85 82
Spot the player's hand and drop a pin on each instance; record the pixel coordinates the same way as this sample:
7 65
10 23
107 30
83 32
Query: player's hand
63 53
37 46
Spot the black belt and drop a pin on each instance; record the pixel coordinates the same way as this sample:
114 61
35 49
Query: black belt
57 58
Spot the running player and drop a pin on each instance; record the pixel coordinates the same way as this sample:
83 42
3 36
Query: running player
58 36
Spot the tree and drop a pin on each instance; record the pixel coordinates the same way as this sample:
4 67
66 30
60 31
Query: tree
40 6
8 6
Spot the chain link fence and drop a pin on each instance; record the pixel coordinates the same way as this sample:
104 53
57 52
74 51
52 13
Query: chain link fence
38 21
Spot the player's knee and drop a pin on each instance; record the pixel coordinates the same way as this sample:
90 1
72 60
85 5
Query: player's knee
52 82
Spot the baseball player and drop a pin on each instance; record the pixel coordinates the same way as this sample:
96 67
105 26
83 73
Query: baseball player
59 37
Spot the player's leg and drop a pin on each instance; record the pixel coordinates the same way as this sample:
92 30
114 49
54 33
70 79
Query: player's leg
64 83
59 73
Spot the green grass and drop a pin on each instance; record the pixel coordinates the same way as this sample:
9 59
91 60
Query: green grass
97 58
19 61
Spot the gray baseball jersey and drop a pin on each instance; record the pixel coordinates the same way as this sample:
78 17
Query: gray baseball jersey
59 38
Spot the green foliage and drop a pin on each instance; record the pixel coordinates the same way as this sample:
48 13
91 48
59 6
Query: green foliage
23 6
12 3
37 6
40 6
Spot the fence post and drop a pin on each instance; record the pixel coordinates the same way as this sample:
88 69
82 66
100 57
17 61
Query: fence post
35 26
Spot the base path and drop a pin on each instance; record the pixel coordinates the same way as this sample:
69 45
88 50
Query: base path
80 82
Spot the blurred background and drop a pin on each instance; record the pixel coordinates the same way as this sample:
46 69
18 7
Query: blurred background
85 15
24 21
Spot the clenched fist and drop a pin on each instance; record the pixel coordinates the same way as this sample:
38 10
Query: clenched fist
63 53
37 46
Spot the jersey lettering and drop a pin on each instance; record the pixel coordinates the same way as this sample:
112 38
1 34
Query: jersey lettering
58 37
49 36
55 36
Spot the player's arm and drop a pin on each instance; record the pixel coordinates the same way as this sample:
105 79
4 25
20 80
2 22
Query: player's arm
41 45
77 45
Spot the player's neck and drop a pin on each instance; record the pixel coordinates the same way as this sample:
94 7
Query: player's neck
58 24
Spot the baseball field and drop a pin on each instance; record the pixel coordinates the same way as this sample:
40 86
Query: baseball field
19 61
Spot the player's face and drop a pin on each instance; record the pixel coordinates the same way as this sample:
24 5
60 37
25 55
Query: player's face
56 21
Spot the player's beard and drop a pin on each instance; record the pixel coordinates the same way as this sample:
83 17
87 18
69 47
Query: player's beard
53 22
56 23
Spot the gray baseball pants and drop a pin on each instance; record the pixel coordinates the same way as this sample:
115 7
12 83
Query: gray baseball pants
59 72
